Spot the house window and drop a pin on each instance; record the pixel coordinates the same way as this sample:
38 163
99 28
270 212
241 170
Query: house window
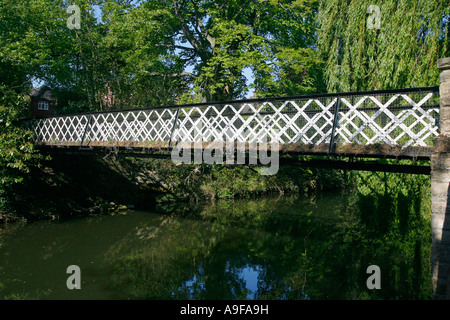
42 105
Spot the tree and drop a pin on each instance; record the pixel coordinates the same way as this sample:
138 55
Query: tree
200 49
148 53
76 63
275 39
17 153
143 66
20 59
402 53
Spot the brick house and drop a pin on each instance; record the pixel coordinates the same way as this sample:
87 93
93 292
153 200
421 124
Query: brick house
42 102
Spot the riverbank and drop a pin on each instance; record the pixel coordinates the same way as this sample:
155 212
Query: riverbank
77 185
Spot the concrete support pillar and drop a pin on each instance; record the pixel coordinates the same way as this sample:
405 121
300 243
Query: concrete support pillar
440 191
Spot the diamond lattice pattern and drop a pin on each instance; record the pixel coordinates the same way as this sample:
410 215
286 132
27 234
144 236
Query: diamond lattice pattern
394 119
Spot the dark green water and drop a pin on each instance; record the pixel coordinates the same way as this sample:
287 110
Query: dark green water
266 248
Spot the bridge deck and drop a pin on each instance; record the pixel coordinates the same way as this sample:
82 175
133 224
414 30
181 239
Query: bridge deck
374 124
354 160
341 151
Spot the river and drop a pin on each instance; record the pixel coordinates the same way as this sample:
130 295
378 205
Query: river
272 247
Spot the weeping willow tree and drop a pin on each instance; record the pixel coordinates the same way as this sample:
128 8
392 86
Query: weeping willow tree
371 45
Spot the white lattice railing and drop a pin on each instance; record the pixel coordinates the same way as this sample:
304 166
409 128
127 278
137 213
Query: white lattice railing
401 118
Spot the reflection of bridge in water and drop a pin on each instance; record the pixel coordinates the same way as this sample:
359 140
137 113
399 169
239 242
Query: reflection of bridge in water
396 124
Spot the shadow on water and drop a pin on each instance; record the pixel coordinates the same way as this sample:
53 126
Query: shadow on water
395 212
286 247
442 263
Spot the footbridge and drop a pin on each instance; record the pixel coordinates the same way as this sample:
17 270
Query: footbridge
397 124
390 124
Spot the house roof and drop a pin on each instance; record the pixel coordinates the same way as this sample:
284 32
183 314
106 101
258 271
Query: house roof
42 92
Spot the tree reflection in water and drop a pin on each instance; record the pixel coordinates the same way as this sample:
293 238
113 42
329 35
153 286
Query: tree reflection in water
297 248
289 247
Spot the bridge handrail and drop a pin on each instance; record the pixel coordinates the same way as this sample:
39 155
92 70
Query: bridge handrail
434 89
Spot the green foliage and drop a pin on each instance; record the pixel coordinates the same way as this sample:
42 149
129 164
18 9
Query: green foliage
209 182
17 152
152 52
273 39
402 54
140 53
